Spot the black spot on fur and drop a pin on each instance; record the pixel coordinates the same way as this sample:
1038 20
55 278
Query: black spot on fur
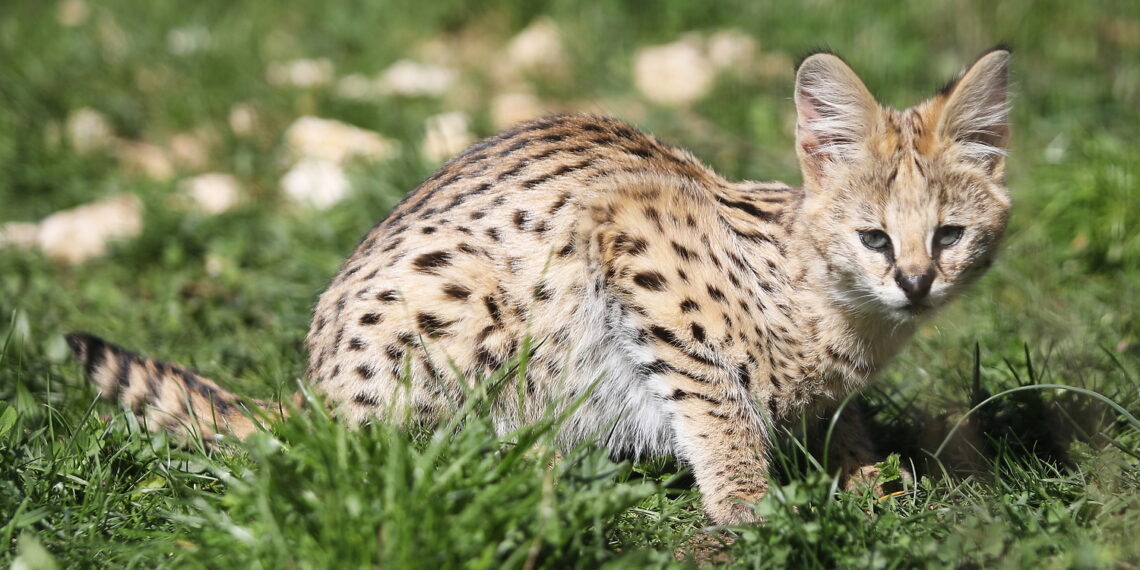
747 208
356 343
637 246
371 318
742 375
365 372
698 332
689 305
520 219
365 399
542 292
487 359
492 308
388 296
651 280
429 262
716 294
394 353
432 325
457 292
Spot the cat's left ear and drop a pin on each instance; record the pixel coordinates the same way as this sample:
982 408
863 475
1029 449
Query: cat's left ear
976 113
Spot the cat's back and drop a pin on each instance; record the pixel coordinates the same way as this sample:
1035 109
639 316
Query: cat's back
484 251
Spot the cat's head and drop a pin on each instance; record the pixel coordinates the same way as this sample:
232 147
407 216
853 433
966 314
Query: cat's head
905 207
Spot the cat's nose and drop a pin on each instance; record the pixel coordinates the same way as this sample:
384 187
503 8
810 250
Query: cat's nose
915 284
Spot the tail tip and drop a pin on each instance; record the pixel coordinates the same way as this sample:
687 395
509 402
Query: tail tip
80 343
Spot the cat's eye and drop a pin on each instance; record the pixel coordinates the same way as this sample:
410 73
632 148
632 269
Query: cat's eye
877 240
947 236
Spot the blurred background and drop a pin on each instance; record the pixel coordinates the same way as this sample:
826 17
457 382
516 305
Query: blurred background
185 177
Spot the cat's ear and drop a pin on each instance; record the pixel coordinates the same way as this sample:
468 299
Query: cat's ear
976 113
834 112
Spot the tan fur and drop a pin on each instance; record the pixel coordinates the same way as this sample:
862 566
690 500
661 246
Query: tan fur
698 314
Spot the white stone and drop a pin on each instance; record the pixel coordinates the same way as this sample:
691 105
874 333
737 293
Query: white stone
191 150
82 233
242 119
88 130
303 73
188 40
334 141
731 50
23 235
446 135
146 159
316 182
213 192
72 13
673 74
537 47
414 79
358 87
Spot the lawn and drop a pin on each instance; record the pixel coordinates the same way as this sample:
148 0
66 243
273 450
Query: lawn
101 99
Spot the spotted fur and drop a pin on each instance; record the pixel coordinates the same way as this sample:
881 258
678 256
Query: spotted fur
691 314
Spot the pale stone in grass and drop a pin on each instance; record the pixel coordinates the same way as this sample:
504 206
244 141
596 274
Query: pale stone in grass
82 233
512 108
72 13
358 87
151 161
242 119
673 74
414 79
446 135
335 142
89 130
23 235
191 150
731 50
188 40
302 73
316 182
213 192
538 47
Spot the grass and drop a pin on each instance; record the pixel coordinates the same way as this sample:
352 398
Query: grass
1040 477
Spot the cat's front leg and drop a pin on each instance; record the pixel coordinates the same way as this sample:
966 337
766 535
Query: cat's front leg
725 441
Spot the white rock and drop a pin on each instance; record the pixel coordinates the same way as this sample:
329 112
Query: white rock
731 50
358 87
316 182
334 141
72 13
446 135
673 74
537 47
242 119
188 40
24 235
511 108
82 233
191 150
88 130
303 73
213 192
146 159
414 79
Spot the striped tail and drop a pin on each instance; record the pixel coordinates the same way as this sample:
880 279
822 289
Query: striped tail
166 396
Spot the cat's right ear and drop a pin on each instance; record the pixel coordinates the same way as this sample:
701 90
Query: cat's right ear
834 112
